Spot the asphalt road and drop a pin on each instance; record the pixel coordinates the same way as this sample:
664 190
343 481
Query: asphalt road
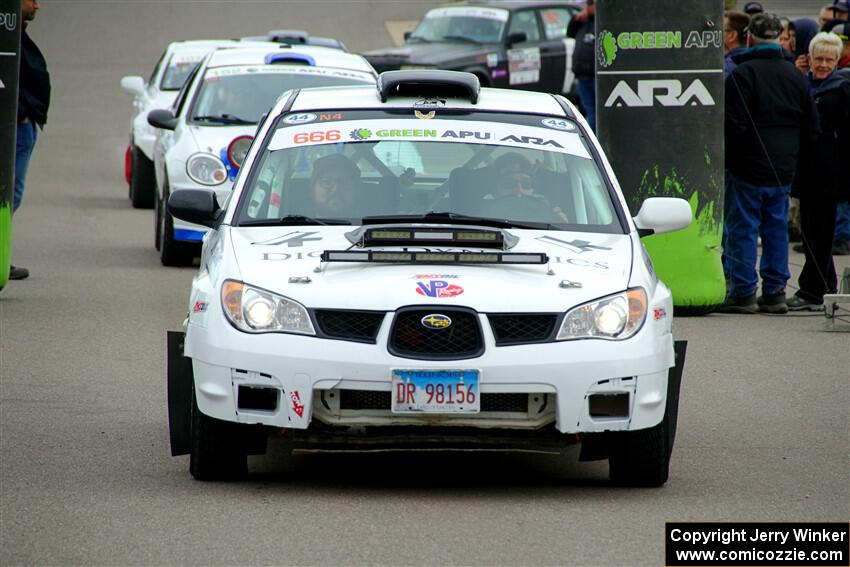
85 472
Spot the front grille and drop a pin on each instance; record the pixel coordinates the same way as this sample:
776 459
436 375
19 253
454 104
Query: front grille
409 338
359 326
375 400
522 328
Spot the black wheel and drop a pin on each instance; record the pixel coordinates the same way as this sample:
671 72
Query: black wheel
640 458
142 180
172 252
217 452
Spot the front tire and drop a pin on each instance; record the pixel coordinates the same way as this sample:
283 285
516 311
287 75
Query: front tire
171 252
142 180
217 451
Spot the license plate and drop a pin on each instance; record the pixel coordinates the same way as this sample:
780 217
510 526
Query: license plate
435 391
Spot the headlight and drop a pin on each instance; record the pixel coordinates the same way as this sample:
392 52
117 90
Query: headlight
615 317
206 169
255 310
237 150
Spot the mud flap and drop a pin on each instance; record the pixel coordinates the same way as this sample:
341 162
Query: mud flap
594 446
674 384
180 382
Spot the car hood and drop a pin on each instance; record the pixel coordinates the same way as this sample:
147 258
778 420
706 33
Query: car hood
582 267
428 53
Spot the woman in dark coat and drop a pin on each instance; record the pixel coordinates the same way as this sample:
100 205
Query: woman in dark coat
823 173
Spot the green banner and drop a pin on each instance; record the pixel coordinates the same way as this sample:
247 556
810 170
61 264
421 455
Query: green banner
10 52
659 108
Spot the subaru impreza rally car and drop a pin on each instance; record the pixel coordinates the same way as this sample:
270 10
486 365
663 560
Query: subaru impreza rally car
170 72
202 138
439 299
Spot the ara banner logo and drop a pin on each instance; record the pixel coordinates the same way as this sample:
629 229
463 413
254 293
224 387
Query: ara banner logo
667 92
438 288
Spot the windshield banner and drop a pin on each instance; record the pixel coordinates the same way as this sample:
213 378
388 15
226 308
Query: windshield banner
286 70
469 12
500 134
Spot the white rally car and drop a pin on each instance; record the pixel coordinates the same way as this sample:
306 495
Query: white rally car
172 69
204 136
428 263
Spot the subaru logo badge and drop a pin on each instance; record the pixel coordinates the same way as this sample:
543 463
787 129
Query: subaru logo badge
436 321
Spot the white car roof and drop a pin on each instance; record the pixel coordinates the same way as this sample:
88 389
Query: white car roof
322 56
490 99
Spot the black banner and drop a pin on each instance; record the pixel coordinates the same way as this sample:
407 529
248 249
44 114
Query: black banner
10 53
757 543
659 108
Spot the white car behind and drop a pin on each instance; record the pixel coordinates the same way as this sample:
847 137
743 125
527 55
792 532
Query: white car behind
159 91
203 137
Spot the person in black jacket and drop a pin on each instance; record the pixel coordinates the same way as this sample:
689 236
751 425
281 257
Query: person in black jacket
583 28
33 101
823 176
769 114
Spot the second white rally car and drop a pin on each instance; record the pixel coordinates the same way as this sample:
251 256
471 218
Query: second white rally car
427 263
203 137
174 66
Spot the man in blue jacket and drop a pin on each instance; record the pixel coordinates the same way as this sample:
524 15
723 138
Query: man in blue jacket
33 102
769 114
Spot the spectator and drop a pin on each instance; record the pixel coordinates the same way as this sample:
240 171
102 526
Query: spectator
33 102
332 186
753 8
804 30
823 175
788 38
769 114
841 241
734 38
832 12
583 28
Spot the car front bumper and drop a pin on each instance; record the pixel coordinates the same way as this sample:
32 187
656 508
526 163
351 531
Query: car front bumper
339 383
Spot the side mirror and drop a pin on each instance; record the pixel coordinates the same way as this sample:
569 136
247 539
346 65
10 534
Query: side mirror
517 37
407 34
162 118
198 206
658 215
133 85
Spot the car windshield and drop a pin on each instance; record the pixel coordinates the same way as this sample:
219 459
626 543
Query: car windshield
523 170
231 95
177 72
479 25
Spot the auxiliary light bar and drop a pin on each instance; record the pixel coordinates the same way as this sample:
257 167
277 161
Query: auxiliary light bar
431 236
434 257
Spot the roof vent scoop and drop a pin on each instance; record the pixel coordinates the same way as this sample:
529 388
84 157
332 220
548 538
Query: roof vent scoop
290 59
428 83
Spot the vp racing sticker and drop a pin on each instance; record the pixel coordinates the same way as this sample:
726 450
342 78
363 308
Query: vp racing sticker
438 288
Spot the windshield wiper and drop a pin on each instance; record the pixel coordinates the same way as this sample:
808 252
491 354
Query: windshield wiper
418 38
460 38
223 119
454 218
293 219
